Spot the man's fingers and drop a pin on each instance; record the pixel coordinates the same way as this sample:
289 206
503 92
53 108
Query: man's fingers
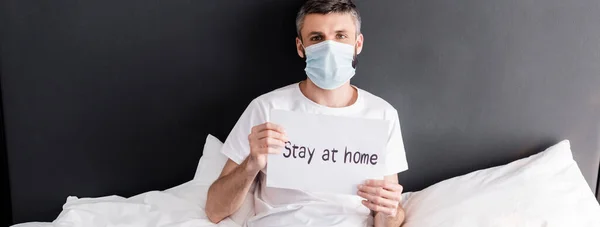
269 126
379 200
385 184
267 142
268 150
275 127
381 192
271 142
272 150
272 134
374 207
268 146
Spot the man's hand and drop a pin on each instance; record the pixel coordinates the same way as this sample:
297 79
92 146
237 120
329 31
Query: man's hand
381 196
226 194
267 138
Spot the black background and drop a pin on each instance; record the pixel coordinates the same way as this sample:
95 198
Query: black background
117 97
6 217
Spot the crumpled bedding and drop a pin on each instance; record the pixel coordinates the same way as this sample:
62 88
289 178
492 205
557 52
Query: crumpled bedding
181 206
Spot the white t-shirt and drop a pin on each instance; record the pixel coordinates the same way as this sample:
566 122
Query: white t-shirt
286 207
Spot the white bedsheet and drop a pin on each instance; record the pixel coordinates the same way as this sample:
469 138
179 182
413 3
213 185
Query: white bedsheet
181 206
543 190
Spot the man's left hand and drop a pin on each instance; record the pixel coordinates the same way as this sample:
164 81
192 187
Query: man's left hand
381 196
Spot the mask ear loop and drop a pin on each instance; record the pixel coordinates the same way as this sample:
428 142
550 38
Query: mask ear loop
355 58
303 50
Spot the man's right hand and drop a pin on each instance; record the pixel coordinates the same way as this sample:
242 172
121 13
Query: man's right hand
226 195
264 139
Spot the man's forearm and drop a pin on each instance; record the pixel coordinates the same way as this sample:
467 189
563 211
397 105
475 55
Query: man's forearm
381 220
226 195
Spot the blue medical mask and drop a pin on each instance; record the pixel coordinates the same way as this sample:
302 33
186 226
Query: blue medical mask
330 64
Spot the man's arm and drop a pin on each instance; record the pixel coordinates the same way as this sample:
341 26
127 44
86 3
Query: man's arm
226 194
384 198
383 220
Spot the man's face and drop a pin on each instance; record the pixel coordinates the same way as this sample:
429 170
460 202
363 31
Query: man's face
333 26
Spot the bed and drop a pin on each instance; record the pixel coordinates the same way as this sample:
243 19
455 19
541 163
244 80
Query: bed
114 104
545 189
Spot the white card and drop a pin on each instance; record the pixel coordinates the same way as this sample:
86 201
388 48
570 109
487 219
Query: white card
357 145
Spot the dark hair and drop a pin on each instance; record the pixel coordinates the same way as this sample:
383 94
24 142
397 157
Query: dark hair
325 7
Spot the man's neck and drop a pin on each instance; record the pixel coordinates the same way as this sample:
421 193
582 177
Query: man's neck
343 96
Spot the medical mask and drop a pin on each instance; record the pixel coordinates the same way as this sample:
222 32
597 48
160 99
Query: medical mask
330 64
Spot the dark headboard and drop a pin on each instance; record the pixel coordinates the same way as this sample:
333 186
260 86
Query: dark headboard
117 97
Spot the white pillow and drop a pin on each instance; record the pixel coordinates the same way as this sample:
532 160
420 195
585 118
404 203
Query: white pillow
543 190
209 168
211 163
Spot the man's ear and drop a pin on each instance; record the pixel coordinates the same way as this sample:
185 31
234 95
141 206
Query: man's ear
299 47
359 43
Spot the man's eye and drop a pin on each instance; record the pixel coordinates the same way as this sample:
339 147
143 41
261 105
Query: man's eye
315 38
341 36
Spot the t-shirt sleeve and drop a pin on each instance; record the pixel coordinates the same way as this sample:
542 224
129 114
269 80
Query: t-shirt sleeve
236 147
395 156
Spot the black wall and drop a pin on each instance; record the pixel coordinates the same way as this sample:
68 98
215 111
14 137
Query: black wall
5 217
116 97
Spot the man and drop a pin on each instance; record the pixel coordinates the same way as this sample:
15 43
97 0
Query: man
329 39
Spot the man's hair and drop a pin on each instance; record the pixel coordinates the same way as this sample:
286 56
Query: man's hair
325 7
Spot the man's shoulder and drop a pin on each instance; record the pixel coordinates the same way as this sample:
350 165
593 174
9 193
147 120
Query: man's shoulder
282 94
375 102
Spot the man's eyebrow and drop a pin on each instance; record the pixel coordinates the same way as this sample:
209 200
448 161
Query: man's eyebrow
341 31
315 33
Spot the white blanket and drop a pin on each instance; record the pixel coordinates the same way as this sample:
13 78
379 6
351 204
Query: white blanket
181 206
543 190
